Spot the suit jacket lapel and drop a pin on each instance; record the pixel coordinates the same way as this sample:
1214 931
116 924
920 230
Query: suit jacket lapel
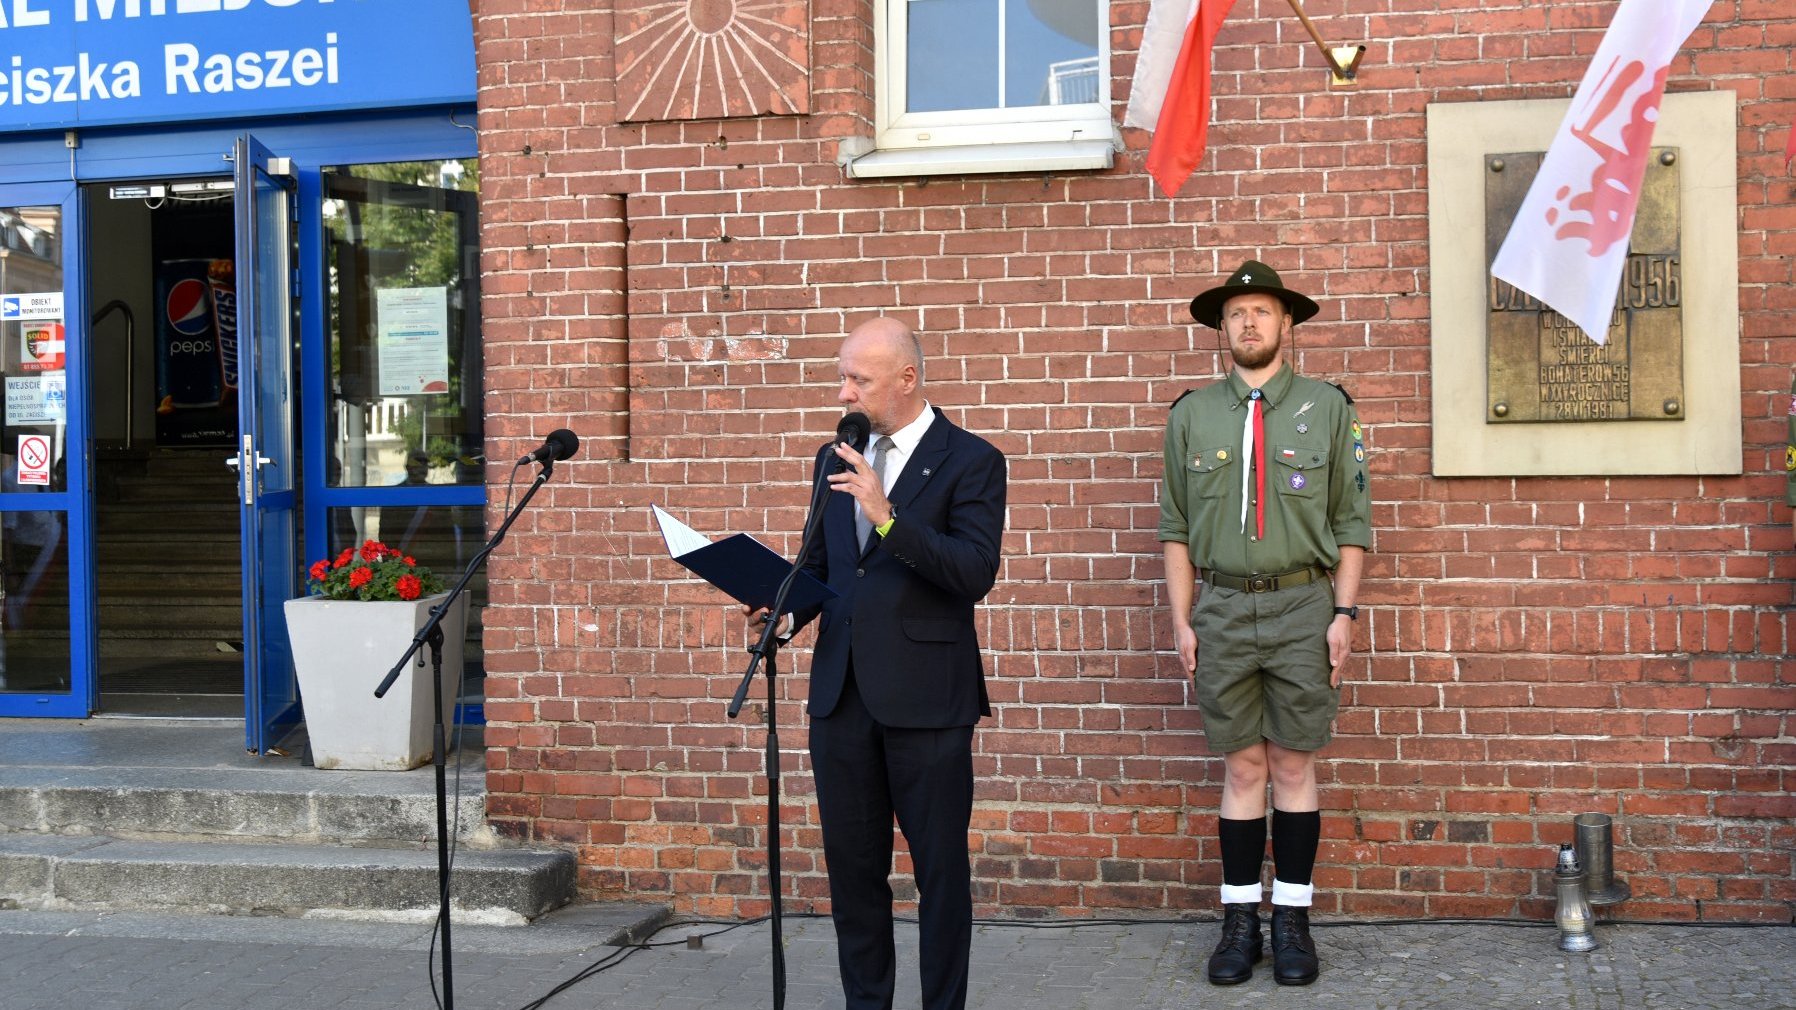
838 517
923 464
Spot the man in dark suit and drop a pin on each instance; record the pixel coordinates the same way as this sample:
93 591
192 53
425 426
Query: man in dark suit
910 544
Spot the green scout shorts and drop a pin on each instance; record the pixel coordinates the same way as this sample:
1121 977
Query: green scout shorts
1262 667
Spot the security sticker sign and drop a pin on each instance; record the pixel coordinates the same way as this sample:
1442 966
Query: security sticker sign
43 350
34 459
42 305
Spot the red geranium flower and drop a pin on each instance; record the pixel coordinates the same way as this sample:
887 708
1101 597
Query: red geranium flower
382 573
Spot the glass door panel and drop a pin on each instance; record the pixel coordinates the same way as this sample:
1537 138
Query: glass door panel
402 429
266 459
45 611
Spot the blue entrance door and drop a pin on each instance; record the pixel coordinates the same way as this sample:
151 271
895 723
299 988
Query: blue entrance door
46 615
265 458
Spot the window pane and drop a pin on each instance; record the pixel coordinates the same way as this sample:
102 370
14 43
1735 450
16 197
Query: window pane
1051 52
404 317
951 49
32 349
1048 52
34 615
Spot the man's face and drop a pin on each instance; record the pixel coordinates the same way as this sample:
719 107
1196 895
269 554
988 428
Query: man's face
1256 325
876 380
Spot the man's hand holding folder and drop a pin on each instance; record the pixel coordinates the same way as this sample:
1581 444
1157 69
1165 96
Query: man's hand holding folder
743 567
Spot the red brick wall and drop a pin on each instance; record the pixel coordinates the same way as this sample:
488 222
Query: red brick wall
1529 648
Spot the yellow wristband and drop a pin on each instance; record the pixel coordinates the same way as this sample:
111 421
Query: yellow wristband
886 527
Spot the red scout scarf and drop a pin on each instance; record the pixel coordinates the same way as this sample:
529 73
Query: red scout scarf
1253 446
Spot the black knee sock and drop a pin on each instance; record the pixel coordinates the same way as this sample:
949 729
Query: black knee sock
1294 841
1243 849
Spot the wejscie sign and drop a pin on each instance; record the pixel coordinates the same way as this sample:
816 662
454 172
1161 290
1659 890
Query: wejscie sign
68 63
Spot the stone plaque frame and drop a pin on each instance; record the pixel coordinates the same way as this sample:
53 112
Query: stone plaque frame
1461 139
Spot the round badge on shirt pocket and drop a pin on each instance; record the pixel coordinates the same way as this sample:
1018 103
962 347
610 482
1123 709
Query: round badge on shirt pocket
1299 468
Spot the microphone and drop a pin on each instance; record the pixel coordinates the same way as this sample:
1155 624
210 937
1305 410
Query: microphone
560 444
854 429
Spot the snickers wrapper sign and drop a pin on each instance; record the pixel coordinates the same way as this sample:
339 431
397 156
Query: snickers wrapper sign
221 278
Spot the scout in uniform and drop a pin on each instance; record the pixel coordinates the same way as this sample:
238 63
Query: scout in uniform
1264 500
1790 460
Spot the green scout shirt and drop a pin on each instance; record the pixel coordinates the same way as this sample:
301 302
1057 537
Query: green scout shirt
1315 477
1790 453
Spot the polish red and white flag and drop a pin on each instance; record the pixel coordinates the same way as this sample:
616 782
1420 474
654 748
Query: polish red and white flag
1569 242
1171 90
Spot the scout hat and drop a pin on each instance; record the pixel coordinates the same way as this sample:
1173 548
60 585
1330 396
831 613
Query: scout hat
1252 277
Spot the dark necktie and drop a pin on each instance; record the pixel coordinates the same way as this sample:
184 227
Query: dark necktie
862 525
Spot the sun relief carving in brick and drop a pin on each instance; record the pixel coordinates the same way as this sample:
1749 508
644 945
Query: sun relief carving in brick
712 59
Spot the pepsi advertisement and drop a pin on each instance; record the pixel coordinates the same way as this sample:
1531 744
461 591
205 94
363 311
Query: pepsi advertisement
74 63
196 352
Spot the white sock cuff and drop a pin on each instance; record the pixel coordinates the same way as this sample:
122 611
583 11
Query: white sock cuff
1237 894
1298 895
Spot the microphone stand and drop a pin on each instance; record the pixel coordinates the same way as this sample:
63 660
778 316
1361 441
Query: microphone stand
768 648
432 634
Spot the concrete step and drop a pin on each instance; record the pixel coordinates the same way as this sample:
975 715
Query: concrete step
307 807
155 613
152 814
98 871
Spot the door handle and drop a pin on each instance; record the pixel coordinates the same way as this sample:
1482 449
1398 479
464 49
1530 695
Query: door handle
247 474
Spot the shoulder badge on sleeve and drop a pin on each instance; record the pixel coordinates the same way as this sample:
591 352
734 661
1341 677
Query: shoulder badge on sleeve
1343 389
1790 457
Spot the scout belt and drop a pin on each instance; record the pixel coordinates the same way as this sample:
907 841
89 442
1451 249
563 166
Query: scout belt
1266 583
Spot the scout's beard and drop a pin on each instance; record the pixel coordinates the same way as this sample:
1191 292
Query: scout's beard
1255 357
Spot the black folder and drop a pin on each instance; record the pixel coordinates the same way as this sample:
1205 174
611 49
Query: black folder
748 570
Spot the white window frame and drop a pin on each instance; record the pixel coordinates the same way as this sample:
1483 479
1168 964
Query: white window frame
897 130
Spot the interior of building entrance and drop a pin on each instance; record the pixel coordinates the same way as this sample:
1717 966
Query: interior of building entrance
167 564
163 379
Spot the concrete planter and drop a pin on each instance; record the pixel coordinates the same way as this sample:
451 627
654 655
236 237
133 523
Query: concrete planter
341 651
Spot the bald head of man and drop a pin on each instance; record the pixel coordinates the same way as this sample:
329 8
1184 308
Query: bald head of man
881 368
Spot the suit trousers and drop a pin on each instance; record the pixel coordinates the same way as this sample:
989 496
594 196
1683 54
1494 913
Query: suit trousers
866 773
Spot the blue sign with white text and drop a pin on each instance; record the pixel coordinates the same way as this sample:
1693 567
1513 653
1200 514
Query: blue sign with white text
73 63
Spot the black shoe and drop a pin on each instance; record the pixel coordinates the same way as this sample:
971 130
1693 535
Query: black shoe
1293 952
1241 945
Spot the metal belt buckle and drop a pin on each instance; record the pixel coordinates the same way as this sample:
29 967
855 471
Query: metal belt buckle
1260 583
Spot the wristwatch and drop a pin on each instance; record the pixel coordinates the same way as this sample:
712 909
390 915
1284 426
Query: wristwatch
1352 613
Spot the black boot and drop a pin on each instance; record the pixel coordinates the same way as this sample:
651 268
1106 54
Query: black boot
1240 946
1293 952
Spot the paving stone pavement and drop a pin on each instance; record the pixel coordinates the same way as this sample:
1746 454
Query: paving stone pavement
115 961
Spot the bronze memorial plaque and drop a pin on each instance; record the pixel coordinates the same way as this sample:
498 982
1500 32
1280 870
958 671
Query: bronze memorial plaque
1540 366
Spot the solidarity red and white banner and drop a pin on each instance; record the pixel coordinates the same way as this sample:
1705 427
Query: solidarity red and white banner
1171 91
1569 243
